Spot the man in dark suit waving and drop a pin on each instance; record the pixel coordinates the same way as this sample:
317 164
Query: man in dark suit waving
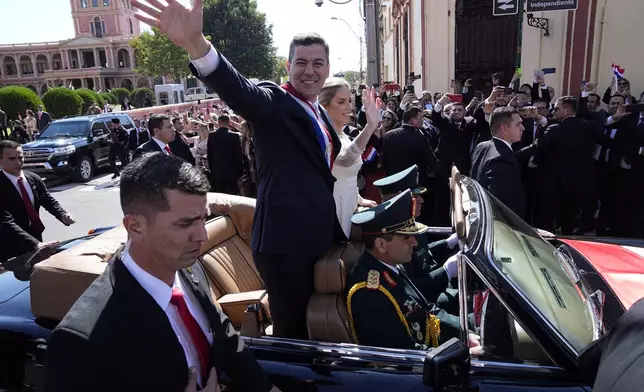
494 165
148 321
295 146
21 195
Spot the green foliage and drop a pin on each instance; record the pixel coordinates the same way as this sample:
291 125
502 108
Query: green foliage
61 102
121 93
156 55
88 97
137 98
279 70
110 98
353 77
98 99
16 99
240 32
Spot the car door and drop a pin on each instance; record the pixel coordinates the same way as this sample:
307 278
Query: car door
100 141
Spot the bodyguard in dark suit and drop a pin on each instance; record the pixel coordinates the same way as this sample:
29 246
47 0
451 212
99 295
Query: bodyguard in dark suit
17 241
162 132
150 317
138 136
494 164
378 285
42 119
295 146
22 193
179 146
224 158
118 146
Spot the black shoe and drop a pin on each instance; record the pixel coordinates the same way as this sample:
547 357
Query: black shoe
116 176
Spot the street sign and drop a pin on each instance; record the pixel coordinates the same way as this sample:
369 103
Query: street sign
551 5
506 7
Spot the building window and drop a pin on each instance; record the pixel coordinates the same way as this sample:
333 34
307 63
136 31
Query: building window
11 69
131 27
40 67
97 27
106 3
405 34
83 3
95 3
26 69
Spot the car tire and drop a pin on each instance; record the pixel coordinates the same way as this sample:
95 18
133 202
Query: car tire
84 170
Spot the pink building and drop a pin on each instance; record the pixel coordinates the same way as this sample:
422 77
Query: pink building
99 57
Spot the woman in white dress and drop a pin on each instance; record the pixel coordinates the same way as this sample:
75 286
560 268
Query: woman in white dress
337 99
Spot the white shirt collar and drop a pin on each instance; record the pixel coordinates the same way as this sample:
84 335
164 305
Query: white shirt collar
158 289
160 143
504 141
391 267
14 179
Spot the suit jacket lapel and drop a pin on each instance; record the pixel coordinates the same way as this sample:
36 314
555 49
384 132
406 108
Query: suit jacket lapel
33 184
195 278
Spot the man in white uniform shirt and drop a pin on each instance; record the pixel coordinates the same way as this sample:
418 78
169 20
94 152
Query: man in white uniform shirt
148 322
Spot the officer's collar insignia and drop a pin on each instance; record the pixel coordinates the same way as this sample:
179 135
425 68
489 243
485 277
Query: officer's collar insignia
373 280
389 279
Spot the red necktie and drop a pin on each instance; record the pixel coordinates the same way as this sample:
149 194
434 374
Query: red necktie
167 149
36 223
196 333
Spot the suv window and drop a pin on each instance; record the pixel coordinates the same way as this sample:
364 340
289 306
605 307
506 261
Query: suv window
125 123
99 126
58 129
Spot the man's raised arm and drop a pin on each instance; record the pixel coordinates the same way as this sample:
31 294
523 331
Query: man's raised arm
184 27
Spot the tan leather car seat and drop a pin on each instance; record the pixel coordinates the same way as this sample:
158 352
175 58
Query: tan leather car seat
327 317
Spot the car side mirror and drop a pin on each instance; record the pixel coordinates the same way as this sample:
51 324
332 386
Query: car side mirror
447 366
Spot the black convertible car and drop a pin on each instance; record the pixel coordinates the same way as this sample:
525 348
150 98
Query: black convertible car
538 301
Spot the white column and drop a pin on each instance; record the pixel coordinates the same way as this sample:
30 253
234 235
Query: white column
96 58
78 56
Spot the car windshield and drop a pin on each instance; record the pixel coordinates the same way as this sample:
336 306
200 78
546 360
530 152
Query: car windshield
64 129
533 265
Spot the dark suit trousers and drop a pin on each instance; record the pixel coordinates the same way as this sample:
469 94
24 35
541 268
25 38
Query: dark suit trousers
224 186
121 153
289 283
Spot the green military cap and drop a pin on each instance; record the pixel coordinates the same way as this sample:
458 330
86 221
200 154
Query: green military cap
406 179
395 216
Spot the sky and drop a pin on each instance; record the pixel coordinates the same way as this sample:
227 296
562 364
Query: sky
53 22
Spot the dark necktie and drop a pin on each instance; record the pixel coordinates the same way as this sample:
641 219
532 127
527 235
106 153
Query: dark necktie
196 333
34 219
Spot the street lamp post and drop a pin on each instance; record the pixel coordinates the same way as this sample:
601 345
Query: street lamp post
359 37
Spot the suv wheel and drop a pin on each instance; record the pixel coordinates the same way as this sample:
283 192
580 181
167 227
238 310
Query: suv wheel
84 170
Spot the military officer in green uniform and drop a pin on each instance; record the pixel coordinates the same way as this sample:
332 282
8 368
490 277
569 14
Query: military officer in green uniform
385 308
430 273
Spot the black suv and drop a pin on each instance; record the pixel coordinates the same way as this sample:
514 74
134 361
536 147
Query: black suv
73 146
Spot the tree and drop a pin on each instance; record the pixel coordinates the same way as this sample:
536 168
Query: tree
137 98
279 71
121 93
61 102
156 55
16 99
240 32
88 98
353 77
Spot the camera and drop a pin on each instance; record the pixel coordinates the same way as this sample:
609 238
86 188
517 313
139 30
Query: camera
319 2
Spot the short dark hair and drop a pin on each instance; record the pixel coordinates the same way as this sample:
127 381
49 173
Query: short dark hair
223 118
175 120
145 180
502 115
307 39
570 102
411 113
116 120
618 96
156 122
6 144
596 96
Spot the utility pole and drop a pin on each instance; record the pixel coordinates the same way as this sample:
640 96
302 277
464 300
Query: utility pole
372 15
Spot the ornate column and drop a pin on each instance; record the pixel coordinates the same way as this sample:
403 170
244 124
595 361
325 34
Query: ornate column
97 58
78 56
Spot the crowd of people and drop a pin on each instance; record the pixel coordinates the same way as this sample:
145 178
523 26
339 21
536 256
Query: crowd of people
363 163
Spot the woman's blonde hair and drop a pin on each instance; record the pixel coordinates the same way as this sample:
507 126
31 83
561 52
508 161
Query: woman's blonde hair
331 87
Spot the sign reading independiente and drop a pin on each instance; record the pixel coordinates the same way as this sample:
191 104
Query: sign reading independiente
551 5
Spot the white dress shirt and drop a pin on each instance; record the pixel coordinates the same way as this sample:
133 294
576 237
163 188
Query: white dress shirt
161 293
161 144
14 181
208 63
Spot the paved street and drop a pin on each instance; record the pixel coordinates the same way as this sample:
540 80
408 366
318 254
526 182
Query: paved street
94 204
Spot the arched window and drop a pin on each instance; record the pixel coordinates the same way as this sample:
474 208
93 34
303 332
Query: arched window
131 27
98 27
